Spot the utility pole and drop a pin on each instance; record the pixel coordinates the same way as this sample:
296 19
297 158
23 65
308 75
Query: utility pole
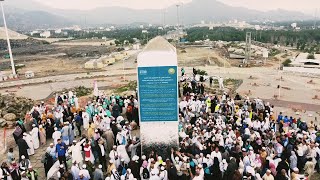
248 47
315 19
178 19
8 40
164 18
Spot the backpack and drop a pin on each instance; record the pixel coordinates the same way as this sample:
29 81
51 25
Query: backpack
145 173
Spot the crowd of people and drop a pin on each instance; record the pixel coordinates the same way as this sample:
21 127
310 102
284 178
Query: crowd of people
220 138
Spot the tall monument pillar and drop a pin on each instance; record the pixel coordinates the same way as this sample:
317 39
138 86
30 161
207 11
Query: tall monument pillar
158 97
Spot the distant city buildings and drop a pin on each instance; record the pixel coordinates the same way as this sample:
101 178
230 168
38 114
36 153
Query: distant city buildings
45 34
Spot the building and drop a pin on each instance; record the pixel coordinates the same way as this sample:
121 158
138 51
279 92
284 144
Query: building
58 31
136 46
45 34
94 64
29 74
34 32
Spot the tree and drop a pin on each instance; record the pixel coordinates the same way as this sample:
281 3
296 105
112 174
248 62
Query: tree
117 42
311 56
286 63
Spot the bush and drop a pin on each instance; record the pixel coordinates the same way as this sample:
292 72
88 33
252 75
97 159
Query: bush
311 56
286 63
203 73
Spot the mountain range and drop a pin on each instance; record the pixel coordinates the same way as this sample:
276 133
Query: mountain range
29 14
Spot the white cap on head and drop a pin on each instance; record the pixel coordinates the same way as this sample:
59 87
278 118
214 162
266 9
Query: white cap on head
23 157
143 157
100 166
295 169
176 158
33 125
268 171
162 168
84 166
129 170
55 128
51 144
61 166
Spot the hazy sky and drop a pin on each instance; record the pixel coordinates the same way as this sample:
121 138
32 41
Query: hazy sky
298 5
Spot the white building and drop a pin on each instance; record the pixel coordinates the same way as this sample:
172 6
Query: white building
45 34
29 74
136 46
34 32
58 31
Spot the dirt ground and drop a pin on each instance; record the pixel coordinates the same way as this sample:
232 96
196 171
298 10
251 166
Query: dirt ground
54 66
85 42
196 56
57 58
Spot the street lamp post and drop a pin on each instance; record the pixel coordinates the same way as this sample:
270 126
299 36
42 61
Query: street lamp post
8 40
124 75
279 93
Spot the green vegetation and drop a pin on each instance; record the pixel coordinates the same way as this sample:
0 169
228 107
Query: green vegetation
274 52
121 35
202 72
307 40
311 56
80 91
286 63
131 86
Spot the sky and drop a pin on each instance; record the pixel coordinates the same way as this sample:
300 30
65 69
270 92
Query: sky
264 5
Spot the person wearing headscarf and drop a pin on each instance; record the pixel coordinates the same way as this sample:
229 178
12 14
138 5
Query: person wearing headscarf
24 163
14 171
42 135
309 167
47 161
29 141
293 161
35 136
17 133
23 148
98 174
5 171
56 135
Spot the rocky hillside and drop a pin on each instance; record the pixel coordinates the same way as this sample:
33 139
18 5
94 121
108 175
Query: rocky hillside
12 107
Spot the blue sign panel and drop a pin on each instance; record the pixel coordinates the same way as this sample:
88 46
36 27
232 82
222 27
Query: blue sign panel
158 93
